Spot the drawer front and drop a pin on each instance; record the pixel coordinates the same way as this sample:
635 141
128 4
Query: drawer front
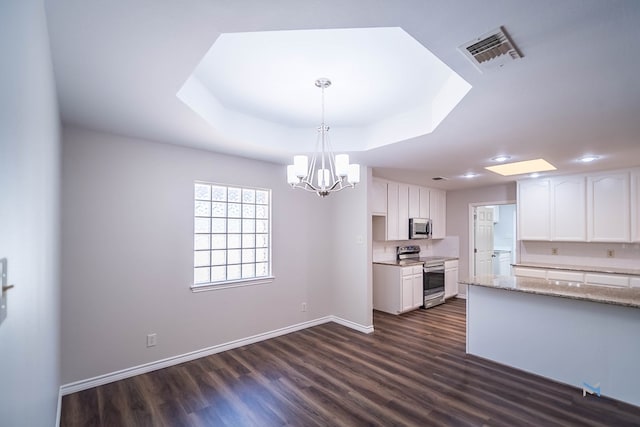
634 282
569 276
530 272
417 269
607 279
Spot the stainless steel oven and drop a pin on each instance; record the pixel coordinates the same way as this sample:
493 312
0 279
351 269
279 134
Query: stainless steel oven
433 283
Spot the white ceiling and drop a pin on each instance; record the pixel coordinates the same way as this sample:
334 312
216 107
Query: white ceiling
260 86
119 65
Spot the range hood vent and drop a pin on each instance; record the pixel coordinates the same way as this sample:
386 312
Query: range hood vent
491 50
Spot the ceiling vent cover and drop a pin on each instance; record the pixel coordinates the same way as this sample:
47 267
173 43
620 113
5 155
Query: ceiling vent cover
491 50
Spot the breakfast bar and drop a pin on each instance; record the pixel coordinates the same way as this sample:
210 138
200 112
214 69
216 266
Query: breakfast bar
583 335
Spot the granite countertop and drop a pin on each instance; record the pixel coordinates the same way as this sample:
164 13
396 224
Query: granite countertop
590 269
419 261
629 297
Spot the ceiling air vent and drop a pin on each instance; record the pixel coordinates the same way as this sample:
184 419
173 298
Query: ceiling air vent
491 50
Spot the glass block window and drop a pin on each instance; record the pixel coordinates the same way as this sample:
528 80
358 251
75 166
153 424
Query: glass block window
232 234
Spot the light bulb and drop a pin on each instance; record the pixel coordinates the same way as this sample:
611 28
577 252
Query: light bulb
342 165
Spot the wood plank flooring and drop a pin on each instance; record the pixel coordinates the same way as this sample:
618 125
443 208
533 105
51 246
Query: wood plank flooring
411 371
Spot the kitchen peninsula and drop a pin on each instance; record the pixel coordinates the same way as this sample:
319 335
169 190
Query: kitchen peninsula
579 334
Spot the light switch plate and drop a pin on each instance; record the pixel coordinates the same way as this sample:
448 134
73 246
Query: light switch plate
3 300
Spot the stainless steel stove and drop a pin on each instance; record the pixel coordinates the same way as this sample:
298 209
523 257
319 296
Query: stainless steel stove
432 273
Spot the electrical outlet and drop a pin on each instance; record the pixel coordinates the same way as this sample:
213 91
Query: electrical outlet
611 253
554 251
152 340
303 308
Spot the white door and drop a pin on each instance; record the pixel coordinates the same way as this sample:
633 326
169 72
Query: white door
483 233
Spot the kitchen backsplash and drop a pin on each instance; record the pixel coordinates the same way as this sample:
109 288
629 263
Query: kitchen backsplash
625 255
448 247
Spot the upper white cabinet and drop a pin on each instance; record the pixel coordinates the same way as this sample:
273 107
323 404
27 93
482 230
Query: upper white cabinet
534 206
635 205
378 197
568 213
603 207
393 212
403 212
393 203
438 213
608 207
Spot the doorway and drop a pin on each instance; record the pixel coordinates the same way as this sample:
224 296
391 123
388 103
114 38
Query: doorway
493 240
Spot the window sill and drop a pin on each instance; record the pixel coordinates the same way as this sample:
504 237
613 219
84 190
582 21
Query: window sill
231 284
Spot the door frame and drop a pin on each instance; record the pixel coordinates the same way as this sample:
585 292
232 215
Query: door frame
472 235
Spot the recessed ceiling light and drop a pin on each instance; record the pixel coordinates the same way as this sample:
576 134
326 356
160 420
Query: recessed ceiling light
534 175
517 168
469 175
588 159
501 158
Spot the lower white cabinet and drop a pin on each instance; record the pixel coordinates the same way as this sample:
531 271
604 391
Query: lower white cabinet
618 280
537 273
450 278
586 277
397 289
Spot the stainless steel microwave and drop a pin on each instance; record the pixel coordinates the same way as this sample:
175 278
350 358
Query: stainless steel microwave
420 228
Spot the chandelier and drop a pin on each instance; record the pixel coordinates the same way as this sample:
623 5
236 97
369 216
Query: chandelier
326 173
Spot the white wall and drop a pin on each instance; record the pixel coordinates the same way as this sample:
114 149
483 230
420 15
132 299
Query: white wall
29 179
458 203
127 254
351 253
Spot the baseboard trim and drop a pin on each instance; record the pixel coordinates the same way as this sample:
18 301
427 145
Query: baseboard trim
349 324
175 360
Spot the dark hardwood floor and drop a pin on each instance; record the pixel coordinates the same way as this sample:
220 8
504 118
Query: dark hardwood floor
412 370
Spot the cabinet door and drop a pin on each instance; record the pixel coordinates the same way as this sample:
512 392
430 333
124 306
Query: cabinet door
568 209
438 213
538 273
418 292
424 203
407 293
635 205
392 211
450 282
378 197
414 202
403 212
616 280
534 209
608 208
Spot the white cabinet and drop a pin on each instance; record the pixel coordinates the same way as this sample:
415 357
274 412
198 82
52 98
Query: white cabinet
566 276
450 278
438 213
568 209
378 197
397 289
393 203
534 197
576 276
392 232
537 273
501 263
608 208
635 205
617 280
603 207
403 212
